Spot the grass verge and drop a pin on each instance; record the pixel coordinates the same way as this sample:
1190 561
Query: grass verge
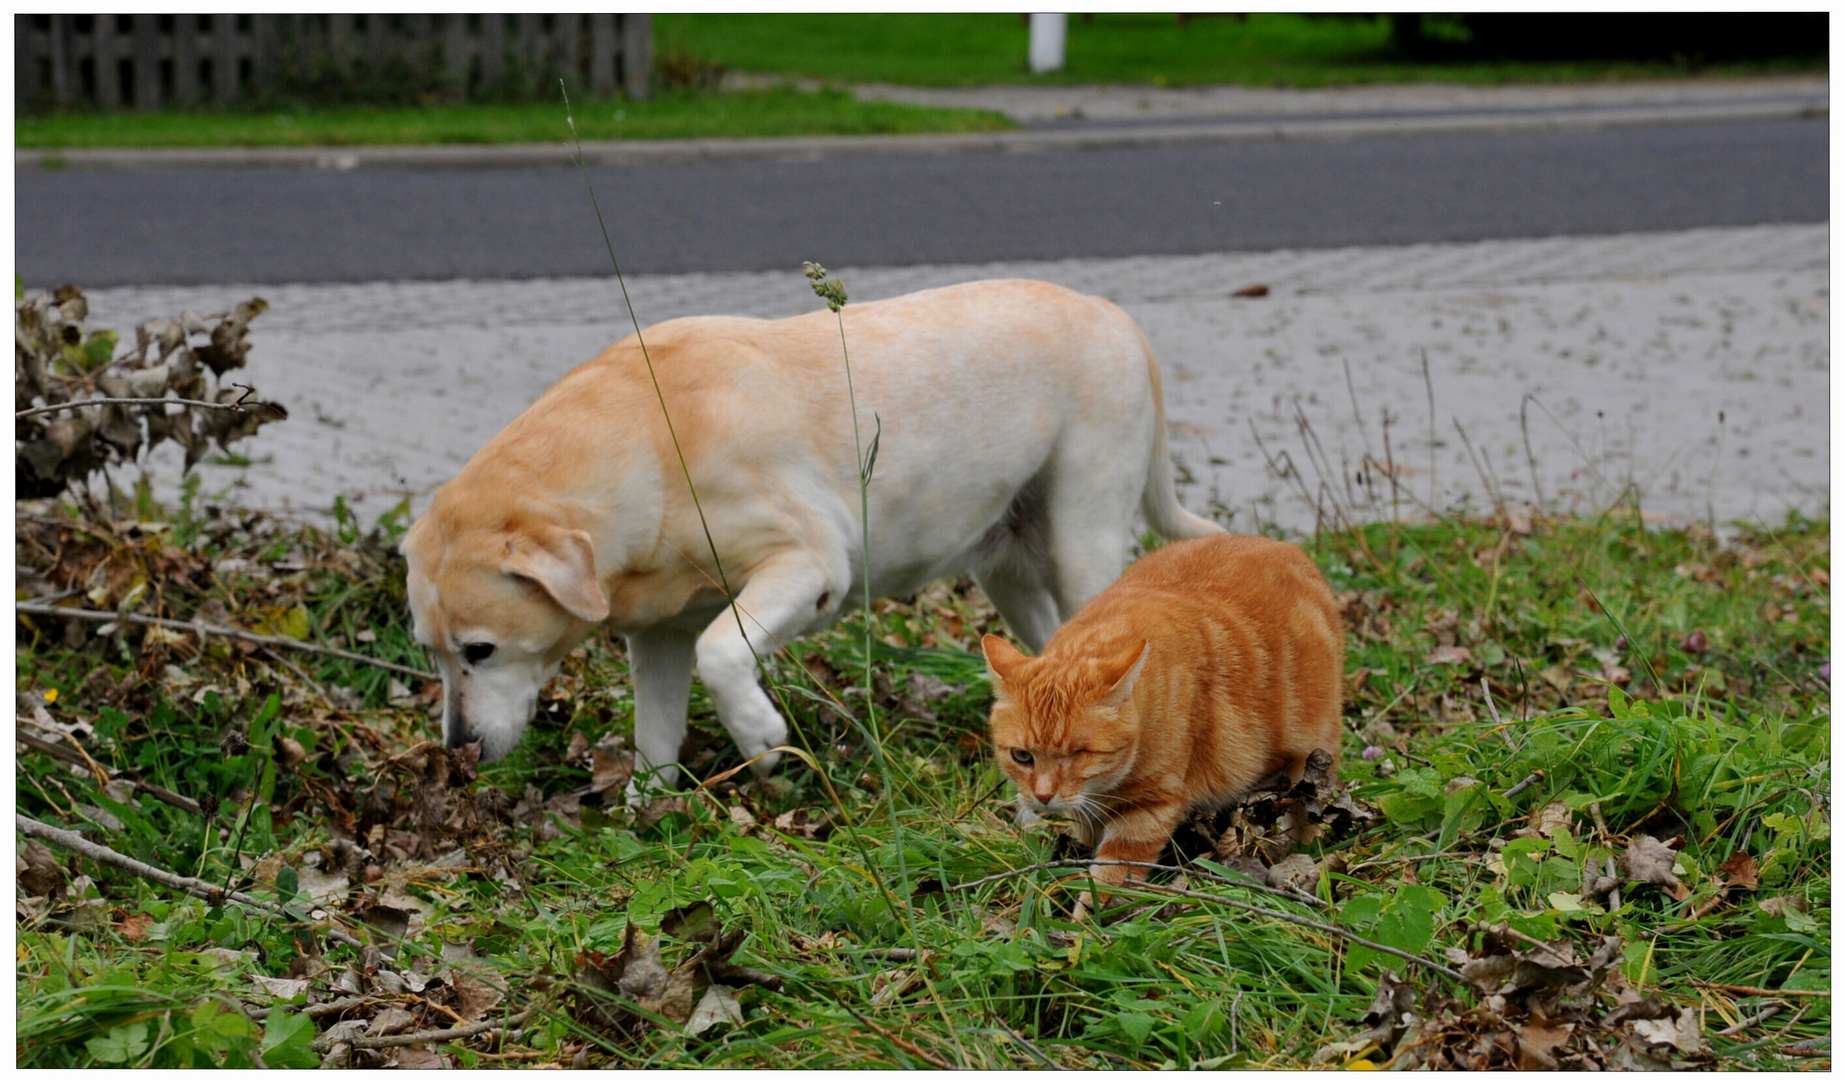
681 115
982 49
1528 700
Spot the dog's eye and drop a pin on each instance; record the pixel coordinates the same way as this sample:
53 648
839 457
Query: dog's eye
477 652
1023 757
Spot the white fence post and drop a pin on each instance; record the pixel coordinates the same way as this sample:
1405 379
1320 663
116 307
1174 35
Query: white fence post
1047 34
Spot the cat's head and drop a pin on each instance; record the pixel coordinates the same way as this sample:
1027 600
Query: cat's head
1064 730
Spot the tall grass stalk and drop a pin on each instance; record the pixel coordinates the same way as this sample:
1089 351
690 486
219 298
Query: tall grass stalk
833 292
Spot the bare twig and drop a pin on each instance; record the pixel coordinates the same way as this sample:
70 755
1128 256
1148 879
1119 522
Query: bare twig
1519 788
1486 691
1524 428
1210 898
205 890
1761 1015
295 669
1060 864
321 1008
1761 991
1299 920
26 607
240 405
1028 1047
1429 384
78 758
418 1038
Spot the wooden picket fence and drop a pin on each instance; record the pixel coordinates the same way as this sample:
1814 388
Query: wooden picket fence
148 62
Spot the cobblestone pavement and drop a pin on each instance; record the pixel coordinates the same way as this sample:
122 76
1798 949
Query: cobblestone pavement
1692 365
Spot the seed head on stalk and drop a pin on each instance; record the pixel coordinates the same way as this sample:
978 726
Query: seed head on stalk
832 290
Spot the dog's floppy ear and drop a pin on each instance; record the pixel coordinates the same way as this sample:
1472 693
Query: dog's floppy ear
563 562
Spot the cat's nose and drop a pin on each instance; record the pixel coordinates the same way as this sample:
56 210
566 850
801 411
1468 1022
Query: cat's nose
1044 796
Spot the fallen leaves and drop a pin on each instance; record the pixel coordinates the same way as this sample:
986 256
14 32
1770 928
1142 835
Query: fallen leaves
624 992
1540 1005
1272 822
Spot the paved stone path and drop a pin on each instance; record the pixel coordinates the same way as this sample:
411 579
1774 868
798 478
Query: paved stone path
1692 365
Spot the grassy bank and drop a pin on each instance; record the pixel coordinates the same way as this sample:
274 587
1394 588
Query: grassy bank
982 49
1527 700
682 115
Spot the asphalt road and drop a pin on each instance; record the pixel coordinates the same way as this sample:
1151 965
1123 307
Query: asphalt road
151 227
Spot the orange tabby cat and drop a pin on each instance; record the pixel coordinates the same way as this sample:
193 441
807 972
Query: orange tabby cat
1211 664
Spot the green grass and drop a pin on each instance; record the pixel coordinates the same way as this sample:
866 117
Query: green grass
1665 683
980 49
683 115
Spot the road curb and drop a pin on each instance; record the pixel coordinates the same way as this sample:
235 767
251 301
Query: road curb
1074 136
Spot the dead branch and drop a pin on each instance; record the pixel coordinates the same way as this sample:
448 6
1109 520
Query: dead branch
418 1038
1193 894
240 405
74 757
1761 1016
26 607
1298 920
205 890
1761 991
1518 788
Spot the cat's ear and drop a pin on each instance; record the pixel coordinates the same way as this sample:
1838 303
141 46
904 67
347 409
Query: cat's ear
1125 671
1002 661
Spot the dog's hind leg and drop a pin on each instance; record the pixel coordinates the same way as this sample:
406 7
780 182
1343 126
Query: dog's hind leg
785 595
661 660
1023 600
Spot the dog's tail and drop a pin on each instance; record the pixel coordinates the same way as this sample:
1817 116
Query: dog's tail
1159 503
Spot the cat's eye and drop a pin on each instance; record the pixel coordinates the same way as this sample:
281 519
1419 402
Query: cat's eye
1023 757
477 652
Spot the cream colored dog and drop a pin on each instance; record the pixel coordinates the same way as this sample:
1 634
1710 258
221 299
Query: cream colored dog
1022 425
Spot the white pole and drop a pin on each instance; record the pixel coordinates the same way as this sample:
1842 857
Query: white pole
1047 34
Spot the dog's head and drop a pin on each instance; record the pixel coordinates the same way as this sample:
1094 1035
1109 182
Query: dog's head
499 604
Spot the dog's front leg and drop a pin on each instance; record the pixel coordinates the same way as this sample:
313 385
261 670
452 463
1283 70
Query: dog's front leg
661 661
784 597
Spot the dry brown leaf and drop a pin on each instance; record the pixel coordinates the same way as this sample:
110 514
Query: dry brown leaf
474 999
1550 817
281 989
1740 870
718 1006
1781 905
1296 872
1449 654
1538 1043
1650 862
39 870
418 1057
134 928
611 765
392 1020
